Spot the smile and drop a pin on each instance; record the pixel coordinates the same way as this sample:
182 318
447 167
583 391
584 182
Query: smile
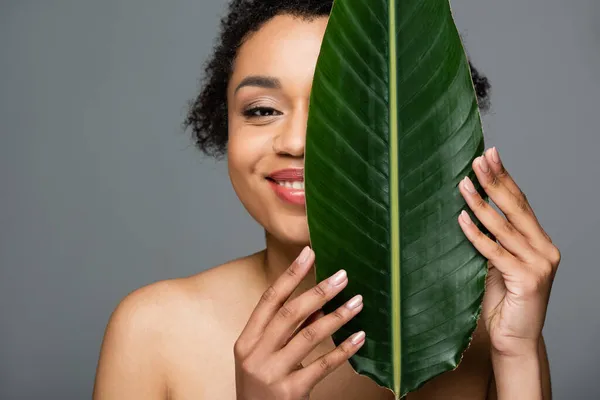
288 185
291 184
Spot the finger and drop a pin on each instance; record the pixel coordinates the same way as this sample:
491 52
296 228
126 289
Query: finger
275 296
314 317
292 313
539 239
313 373
516 207
502 229
493 251
493 158
310 336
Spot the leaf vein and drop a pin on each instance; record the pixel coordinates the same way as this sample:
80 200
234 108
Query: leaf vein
444 299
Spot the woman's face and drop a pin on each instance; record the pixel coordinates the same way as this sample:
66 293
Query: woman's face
268 97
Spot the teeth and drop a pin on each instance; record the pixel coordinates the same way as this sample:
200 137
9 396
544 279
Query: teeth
292 185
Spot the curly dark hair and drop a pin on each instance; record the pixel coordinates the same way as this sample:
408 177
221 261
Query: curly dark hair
207 115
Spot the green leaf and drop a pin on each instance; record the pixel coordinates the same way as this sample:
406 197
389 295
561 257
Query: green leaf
393 127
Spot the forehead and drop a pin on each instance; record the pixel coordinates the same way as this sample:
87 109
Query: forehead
285 47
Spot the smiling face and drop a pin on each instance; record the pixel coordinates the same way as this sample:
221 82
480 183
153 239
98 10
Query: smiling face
268 96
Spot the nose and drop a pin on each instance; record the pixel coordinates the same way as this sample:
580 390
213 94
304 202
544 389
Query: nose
291 138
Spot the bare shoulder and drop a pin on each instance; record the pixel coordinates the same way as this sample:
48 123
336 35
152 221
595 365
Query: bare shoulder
219 280
151 312
145 329
129 365
224 292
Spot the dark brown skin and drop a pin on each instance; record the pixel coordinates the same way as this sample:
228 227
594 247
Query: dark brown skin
232 332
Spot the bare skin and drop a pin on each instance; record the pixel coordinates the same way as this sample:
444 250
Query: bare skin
214 336
195 359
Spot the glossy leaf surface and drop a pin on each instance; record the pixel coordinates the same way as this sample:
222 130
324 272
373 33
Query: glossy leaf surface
393 127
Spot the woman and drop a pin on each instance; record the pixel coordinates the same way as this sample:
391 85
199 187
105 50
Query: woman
231 332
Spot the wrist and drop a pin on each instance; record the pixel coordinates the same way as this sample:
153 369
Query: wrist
516 349
517 374
514 359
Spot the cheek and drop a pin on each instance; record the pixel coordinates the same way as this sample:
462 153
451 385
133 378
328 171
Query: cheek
239 163
244 154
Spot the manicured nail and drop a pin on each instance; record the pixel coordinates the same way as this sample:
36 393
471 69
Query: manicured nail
465 217
357 337
354 302
303 257
495 155
469 185
338 278
484 165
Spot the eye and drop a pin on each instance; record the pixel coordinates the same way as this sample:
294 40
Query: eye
258 112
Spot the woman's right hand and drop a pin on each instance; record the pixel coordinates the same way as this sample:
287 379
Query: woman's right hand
270 349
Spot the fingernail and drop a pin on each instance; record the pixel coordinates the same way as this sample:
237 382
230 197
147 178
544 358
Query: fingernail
357 337
338 278
468 184
303 257
354 302
495 155
483 165
465 217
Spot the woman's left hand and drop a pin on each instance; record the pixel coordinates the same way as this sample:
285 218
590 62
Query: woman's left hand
522 263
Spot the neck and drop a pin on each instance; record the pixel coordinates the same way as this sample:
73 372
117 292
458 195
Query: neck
278 257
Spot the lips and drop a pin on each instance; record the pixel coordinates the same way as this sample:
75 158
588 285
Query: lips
289 174
288 185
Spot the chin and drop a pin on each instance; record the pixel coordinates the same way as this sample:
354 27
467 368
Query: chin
288 225
291 230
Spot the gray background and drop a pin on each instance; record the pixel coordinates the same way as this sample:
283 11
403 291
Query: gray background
102 193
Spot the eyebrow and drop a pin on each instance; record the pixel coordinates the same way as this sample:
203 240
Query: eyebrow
267 82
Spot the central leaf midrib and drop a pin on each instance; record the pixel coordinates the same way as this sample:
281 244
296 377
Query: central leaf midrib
394 205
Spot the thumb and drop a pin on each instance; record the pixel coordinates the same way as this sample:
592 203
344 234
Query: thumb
495 290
